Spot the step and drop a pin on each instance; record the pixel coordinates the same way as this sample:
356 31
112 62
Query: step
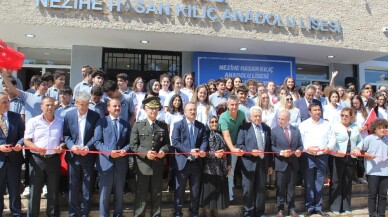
359 200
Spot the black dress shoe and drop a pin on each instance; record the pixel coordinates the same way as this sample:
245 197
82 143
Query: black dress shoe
293 213
322 213
309 213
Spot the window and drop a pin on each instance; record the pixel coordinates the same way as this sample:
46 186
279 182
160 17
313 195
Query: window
306 74
147 64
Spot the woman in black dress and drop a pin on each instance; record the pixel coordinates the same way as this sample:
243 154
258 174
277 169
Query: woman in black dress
214 193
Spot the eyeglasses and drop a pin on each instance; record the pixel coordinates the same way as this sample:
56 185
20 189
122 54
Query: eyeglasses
289 99
382 99
346 116
265 97
213 122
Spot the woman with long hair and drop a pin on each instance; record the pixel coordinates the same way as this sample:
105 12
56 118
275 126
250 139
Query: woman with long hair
188 85
165 83
173 115
381 108
176 83
212 87
204 109
361 116
286 103
215 191
271 90
289 84
342 164
331 111
268 111
237 82
139 91
229 85
342 95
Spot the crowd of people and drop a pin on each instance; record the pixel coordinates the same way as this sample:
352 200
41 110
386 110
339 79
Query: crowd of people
277 132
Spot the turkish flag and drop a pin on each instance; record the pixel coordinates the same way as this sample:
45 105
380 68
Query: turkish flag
371 117
10 59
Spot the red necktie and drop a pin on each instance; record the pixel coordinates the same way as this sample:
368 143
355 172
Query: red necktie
287 134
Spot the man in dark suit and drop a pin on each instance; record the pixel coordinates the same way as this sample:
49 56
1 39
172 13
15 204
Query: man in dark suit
303 103
11 158
149 136
287 141
78 132
112 138
255 137
188 136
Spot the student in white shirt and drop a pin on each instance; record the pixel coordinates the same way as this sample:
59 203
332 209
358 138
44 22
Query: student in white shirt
204 109
138 89
176 85
165 83
188 85
286 103
331 111
268 111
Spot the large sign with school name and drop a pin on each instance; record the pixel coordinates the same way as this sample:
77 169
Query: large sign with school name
211 10
262 68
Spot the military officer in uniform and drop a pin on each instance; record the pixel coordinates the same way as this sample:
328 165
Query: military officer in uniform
150 139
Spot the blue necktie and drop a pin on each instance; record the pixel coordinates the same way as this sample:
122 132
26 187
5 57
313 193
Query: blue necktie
115 129
191 132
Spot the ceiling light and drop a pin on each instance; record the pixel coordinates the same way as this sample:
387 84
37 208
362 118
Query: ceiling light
30 35
144 42
46 53
243 49
299 68
330 56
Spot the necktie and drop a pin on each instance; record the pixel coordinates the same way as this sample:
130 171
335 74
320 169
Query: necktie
287 135
191 132
153 126
260 142
115 128
3 126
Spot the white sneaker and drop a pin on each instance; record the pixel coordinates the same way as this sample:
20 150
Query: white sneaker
44 192
26 191
362 181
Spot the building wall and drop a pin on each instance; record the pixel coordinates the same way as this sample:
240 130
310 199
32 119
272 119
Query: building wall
361 21
83 55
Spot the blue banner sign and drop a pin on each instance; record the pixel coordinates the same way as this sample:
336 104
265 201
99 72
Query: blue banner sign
261 68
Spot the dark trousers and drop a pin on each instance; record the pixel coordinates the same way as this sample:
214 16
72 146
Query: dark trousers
193 172
314 171
254 186
80 184
341 174
113 179
153 185
285 184
360 167
42 169
377 186
10 176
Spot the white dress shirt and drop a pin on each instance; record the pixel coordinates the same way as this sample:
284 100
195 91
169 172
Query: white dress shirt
43 134
81 128
332 114
317 134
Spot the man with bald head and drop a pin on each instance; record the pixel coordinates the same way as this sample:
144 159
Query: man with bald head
287 142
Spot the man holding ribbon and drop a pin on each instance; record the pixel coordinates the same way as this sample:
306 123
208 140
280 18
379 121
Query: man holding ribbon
150 139
43 136
287 143
112 140
254 139
78 133
318 139
190 141
11 157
